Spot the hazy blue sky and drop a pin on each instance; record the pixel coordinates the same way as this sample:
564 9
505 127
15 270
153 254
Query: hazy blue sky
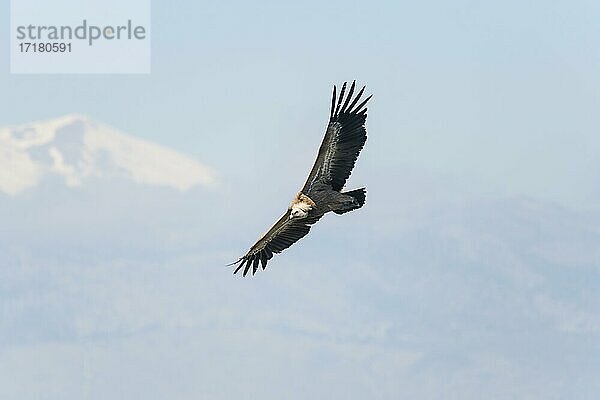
503 93
472 272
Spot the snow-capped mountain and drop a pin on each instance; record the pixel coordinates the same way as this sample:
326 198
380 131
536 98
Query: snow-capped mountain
77 148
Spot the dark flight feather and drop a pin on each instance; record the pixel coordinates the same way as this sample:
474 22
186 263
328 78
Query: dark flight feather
344 139
282 235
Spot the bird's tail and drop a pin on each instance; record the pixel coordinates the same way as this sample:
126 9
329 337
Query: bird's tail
358 198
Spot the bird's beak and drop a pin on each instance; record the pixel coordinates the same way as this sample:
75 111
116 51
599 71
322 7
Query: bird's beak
291 216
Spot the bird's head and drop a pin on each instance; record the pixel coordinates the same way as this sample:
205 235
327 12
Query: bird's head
297 213
300 206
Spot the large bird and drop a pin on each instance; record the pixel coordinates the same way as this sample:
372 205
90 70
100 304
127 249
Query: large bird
344 139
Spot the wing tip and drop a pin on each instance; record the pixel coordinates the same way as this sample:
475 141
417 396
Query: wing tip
235 271
346 104
249 264
235 262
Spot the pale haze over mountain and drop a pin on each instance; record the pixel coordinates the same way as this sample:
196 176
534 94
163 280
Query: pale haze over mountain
113 284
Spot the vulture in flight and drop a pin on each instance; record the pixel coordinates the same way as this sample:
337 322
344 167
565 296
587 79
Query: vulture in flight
344 139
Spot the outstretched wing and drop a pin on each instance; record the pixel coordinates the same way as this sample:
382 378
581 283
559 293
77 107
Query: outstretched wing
344 139
282 235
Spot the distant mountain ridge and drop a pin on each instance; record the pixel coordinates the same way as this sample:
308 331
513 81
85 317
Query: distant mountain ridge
76 148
